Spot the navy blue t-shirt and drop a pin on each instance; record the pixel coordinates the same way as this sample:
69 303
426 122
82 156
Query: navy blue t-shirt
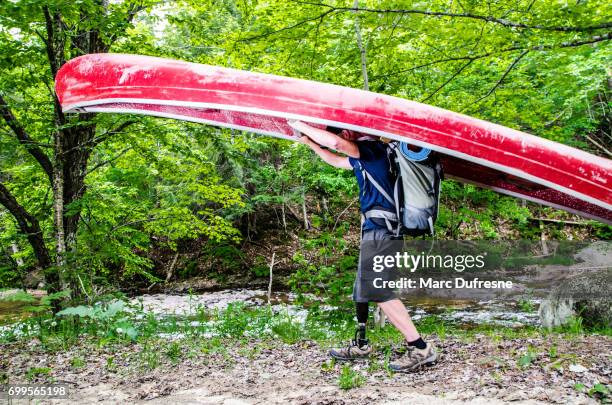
373 158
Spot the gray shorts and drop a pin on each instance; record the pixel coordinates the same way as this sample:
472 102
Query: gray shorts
362 288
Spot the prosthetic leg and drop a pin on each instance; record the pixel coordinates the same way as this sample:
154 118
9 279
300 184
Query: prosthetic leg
362 319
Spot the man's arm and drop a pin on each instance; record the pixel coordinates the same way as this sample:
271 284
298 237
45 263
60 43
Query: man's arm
331 158
325 138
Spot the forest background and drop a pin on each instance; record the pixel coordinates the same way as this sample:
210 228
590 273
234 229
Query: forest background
94 203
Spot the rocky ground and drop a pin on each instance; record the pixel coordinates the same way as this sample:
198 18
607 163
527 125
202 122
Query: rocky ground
476 370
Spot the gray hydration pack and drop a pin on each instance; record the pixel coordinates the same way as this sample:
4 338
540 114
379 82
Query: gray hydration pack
416 191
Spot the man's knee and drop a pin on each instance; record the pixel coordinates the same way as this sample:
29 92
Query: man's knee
388 302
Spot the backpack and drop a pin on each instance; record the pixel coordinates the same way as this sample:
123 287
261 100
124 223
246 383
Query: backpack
416 191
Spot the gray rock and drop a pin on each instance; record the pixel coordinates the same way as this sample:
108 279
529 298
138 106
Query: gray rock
34 279
577 368
554 312
597 254
586 295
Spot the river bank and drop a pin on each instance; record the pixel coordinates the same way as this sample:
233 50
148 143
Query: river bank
234 347
263 371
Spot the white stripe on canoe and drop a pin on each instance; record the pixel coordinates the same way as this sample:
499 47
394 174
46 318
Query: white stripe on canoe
254 110
532 199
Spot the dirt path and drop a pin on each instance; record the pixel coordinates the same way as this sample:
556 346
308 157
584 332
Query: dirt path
480 371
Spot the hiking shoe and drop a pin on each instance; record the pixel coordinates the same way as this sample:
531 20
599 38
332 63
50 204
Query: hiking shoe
415 358
352 351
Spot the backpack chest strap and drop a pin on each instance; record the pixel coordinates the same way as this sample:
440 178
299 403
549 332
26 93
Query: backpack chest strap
390 218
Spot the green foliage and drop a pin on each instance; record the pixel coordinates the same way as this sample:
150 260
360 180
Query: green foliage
526 305
234 321
349 378
19 296
573 326
168 196
78 362
525 360
261 267
601 391
158 184
174 352
332 282
225 258
111 319
9 276
37 372
579 387
598 390
42 305
288 330
98 312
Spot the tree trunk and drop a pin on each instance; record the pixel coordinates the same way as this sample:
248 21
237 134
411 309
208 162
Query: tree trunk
170 271
29 225
75 169
74 139
545 251
362 49
305 213
270 280
15 250
58 210
284 216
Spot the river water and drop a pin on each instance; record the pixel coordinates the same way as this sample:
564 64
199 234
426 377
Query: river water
460 312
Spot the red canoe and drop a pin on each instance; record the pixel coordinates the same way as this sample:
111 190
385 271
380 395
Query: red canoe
474 151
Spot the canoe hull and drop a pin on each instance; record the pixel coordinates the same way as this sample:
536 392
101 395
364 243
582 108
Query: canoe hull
474 151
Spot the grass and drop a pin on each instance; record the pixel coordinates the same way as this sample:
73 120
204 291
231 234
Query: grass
525 360
110 364
174 352
212 346
77 362
527 306
598 391
110 323
288 330
552 352
349 378
36 372
149 358
574 326
209 334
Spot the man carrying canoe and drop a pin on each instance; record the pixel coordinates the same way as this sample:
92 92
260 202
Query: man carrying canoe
339 148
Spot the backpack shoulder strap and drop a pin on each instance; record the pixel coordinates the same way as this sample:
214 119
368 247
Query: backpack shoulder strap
368 177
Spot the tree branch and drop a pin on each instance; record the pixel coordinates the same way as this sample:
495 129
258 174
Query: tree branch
52 54
450 79
28 224
486 18
597 38
25 139
598 145
501 79
362 51
103 163
592 40
272 32
133 10
55 56
118 129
